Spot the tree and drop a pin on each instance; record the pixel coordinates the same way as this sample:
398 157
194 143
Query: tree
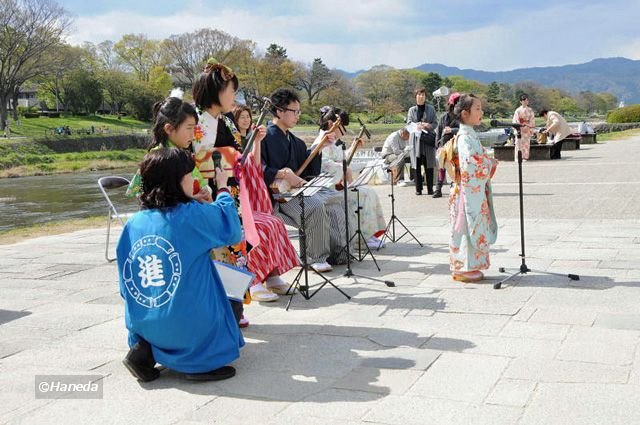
28 29
116 86
55 83
314 79
188 53
343 94
84 91
377 90
493 93
276 52
139 53
432 82
273 71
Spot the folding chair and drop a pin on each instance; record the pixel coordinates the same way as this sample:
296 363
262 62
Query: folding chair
110 183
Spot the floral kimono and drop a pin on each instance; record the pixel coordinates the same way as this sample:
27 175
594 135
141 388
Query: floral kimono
372 221
473 222
524 116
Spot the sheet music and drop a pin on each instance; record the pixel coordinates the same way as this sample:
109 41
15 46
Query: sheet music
366 174
314 186
399 161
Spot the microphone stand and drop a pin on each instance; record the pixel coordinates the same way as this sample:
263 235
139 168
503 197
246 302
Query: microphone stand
349 272
524 269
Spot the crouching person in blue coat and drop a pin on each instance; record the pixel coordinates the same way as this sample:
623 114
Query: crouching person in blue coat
176 309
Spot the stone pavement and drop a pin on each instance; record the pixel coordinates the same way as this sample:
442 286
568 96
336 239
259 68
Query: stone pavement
543 350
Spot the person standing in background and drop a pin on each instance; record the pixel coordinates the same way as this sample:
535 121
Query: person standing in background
423 140
524 116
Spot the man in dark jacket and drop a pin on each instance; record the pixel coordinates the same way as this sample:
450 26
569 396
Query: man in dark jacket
423 139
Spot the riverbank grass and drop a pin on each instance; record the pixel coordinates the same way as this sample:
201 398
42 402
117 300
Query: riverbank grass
53 228
34 164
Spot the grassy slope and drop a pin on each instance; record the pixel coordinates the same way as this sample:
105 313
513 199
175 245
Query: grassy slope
37 127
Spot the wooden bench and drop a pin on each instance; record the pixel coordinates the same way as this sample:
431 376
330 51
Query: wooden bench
588 138
536 152
571 142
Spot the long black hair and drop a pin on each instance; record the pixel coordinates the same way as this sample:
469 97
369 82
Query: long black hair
162 171
172 111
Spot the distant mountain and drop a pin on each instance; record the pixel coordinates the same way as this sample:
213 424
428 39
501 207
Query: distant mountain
619 76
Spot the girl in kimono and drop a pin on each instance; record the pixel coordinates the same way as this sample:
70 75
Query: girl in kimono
473 222
271 253
176 309
524 116
372 223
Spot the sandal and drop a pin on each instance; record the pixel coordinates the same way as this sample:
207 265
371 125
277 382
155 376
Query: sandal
261 294
468 277
277 285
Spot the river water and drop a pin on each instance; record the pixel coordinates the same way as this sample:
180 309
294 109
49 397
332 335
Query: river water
29 201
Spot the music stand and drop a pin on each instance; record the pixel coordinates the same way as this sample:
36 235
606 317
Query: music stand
524 269
365 176
309 189
345 191
399 161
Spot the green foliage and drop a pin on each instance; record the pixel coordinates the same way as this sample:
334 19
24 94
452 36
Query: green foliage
140 100
22 110
432 82
629 113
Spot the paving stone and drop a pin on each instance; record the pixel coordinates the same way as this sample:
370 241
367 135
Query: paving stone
618 321
597 345
460 377
496 346
511 392
409 410
579 404
235 410
376 380
335 404
566 316
516 329
545 370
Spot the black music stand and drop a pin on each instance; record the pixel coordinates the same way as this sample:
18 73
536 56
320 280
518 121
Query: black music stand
394 218
349 272
309 189
365 175
523 267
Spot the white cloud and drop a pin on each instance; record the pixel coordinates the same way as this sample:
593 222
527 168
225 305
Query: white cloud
359 34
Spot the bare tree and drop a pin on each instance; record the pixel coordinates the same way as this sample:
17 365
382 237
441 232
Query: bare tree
29 28
189 52
139 53
315 79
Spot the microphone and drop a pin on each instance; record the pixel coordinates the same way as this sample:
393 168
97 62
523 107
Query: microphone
262 100
496 123
217 159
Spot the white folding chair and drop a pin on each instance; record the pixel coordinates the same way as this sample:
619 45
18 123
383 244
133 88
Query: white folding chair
106 184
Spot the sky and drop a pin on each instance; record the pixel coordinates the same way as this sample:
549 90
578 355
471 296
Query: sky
351 35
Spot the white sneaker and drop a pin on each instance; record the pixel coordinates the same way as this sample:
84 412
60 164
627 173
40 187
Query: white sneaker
403 184
321 267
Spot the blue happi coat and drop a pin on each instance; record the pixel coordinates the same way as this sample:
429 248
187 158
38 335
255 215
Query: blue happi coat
173 296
